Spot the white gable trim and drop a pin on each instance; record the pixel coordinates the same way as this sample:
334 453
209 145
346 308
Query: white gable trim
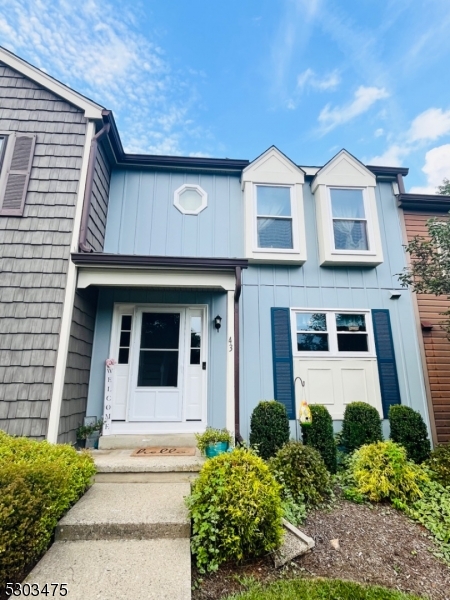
256 172
90 108
325 177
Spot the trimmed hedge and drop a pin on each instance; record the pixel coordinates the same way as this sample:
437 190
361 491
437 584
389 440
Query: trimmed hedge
236 511
301 471
409 429
38 483
269 428
319 434
361 425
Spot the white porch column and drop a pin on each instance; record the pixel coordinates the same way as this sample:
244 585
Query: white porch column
230 362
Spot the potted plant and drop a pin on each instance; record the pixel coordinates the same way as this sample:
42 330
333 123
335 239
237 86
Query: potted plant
84 432
213 442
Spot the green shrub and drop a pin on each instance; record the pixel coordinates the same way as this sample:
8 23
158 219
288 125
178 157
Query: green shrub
269 428
236 511
319 434
301 471
38 483
382 471
361 425
439 463
409 429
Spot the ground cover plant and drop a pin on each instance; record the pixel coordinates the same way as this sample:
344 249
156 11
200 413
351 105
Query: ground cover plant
236 510
319 435
361 425
439 463
408 429
38 483
319 589
301 472
269 428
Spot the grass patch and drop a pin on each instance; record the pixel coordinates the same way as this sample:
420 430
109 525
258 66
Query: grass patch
319 589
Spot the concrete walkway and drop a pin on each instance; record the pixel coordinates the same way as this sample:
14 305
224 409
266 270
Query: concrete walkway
125 540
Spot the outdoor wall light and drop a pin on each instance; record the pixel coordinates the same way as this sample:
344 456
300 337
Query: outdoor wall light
218 323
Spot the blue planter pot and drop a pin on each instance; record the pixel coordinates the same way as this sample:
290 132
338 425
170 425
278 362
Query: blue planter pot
216 449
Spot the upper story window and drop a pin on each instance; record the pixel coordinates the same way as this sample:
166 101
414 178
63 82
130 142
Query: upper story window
273 208
349 219
326 333
190 199
274 217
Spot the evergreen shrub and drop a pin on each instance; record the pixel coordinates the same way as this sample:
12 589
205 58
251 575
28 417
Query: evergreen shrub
269 428
382 471
361 425
236 511
409 429
38 483
302 473
439 464
319 434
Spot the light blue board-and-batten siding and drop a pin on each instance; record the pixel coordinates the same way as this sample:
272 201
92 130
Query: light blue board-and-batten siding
142 218
312 286
217 348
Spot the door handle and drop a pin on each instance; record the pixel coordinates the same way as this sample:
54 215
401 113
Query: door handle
204 366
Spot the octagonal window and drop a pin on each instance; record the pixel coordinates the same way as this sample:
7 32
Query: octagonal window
190 199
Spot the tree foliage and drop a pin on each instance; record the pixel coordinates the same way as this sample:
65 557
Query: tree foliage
444 188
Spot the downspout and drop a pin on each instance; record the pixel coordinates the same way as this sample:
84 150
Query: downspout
400 183
88 191
237 295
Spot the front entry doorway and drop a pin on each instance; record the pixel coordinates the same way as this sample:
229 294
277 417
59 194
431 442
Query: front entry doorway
160 376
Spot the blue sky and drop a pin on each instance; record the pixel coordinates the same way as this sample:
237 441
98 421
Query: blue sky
232 77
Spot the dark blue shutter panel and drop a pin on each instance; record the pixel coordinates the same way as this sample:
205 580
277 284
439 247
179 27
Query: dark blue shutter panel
283 376
387 368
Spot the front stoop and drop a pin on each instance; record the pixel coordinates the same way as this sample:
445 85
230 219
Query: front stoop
123 541
123 441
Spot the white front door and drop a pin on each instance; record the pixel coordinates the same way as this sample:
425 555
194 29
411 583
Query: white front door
161 372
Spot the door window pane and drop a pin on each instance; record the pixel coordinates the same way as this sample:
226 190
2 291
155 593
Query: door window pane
195 356
160 330
196 338
275 233
124 354
158 368
126 323
352 342
125 339
273 201
312 342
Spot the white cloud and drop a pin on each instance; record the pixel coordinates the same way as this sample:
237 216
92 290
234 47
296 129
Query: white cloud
309 79
436 168
430 125
364 98
102 55
379 132
392 157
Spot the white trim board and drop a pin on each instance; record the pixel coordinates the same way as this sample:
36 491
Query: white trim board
90 108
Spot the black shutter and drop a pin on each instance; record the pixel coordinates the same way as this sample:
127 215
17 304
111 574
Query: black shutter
283 376
387 368
17 174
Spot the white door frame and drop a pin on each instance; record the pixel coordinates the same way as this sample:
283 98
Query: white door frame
148 427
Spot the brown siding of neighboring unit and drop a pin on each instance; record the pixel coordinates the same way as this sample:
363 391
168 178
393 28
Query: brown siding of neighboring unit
437 346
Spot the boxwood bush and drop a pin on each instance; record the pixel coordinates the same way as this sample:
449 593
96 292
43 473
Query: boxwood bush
236 512
439 464
409 429
38 483
301 471
319 434
361 425
269 428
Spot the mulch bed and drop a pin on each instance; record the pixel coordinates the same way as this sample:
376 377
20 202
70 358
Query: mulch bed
378 546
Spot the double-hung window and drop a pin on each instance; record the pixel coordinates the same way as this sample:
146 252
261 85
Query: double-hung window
326 333
350 223
274 217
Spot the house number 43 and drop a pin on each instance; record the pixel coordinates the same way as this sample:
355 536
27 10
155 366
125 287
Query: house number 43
230 343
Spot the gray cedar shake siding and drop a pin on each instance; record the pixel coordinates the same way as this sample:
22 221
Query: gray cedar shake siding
34 255
99 202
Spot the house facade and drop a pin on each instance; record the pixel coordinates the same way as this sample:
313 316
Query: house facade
211 284
416 210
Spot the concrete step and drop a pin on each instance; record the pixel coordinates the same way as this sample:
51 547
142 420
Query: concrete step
118 569
123 441
116 466
128 511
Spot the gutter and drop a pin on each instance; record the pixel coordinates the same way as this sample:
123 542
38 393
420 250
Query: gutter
424 202
101 259
237 416
89 184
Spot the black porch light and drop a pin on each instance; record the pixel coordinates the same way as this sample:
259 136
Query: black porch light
218 323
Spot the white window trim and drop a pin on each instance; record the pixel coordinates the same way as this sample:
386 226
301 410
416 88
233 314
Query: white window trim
333 352
195 188
368 218
293 217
